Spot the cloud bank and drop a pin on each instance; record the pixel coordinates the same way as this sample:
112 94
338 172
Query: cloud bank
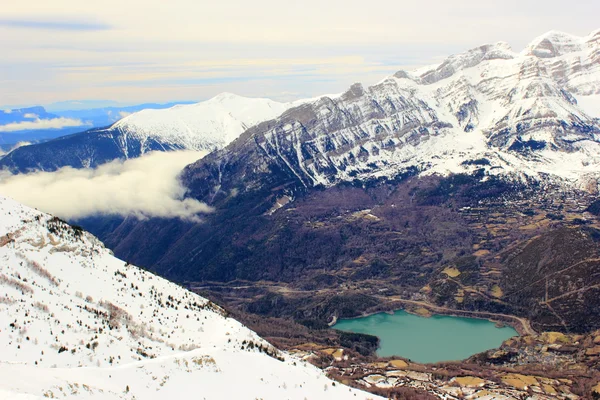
142 187
53 123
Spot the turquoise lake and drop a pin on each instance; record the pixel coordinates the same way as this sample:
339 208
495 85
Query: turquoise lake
428 340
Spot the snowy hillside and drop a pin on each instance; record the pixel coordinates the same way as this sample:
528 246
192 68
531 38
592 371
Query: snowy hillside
76 321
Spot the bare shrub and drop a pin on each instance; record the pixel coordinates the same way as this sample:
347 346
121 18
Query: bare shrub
116 315
16 284
40 306
41 271
137 330
4 240
38 269
188 347
6 300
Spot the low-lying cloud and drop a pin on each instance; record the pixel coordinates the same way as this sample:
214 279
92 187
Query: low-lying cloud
142 187
53 123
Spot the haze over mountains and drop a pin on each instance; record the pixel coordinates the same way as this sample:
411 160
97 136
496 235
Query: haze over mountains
33 123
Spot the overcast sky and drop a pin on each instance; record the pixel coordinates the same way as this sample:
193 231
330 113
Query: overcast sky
135 51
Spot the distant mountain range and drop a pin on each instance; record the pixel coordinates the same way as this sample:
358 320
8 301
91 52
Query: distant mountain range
531 114
24 114
13 125
208 125
34 124
526 114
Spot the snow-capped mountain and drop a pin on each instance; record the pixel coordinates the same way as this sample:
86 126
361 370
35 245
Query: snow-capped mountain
76 321
208 125
529 114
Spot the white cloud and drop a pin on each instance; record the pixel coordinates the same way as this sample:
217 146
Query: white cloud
143 187
54 123
31 116
123 114
7 111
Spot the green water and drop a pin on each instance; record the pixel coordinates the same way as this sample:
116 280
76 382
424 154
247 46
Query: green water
428 340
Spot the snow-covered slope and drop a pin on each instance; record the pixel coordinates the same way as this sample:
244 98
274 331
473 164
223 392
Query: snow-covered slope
204 126
208 125
527 115
76 321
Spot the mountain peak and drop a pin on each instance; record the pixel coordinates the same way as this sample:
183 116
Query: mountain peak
356 90
554 44
468 59
208 125
203 126
594 36
226 96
